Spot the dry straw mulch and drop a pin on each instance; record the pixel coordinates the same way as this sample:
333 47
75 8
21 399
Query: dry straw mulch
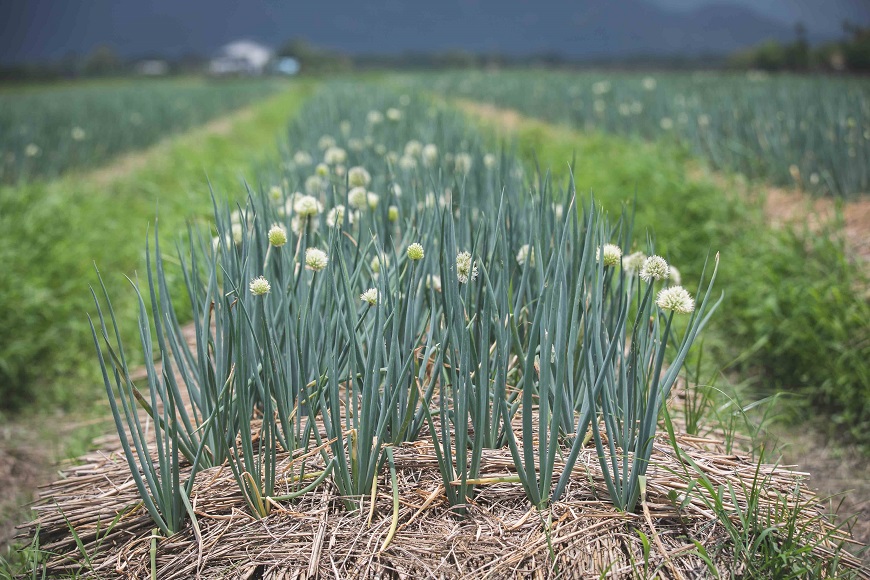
500 536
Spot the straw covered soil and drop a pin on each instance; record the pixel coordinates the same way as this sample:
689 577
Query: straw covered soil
501 535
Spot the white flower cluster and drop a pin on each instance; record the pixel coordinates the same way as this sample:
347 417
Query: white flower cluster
277 236
463 163
334 156
654 268
415 252
358 177
465 267
526 254
370 296
335 216
676 299
307 206
260 286
610 256
634 262
316 259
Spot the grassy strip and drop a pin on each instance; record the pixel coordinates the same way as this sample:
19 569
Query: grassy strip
792 318
51 234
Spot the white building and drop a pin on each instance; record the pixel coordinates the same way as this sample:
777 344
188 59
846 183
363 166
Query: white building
243 57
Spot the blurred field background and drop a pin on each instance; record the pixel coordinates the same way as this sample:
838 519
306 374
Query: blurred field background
762 154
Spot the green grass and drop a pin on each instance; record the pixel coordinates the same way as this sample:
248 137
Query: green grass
794 318
52 233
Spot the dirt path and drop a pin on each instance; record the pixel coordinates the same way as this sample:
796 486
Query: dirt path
784 206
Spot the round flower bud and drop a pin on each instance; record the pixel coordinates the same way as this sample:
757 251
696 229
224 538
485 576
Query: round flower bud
335 217
260 286
372 199
612 253
334 156
465 267
303 159
370 296
357 198
307 206
415 252
314 185
238 233
430 155
358 176
393 213
326 142
463 162
277 236
316 259
654 268
413 148
375 264
322 169
526 254
374 117
634 262
675 298
407 163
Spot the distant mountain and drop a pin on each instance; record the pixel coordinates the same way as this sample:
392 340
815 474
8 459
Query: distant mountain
822 18
48 29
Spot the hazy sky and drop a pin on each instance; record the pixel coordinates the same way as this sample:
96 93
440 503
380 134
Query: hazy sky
32 30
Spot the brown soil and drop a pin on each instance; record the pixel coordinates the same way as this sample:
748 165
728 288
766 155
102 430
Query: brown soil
843 475
793 206
21 471
508 120
30 452
502 535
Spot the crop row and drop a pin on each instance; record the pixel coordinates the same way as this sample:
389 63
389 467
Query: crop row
813 132
401 282
46 131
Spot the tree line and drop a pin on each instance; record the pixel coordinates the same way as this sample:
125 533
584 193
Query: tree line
851 54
